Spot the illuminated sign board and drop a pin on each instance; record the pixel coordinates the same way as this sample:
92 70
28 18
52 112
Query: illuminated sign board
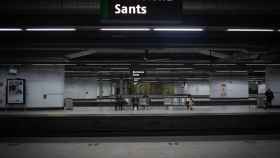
141 9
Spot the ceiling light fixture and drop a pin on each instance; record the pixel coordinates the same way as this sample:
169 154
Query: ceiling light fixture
54 64
119 68
225 64
162 64
202 64
274 64
78 71
51 29
255 64
232 71
250 30
179 29
107 64
10 29
125 29
176 68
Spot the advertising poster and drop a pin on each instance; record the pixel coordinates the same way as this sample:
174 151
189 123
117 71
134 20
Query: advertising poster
15 91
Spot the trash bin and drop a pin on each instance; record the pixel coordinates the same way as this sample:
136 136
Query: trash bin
68 104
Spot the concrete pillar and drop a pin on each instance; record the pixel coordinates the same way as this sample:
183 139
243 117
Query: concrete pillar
121 87
272 81
111 89
100 85
126 87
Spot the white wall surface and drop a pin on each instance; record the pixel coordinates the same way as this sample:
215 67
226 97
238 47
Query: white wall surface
107 88
273 82
85 88
80 88
229 86
40 81
193 88
261 88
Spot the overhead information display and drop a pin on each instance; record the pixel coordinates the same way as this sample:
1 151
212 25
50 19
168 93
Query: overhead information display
141 9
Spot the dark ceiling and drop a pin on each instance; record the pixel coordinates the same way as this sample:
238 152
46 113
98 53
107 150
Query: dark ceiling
214 45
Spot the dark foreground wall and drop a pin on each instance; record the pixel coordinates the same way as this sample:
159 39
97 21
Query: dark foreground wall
88 126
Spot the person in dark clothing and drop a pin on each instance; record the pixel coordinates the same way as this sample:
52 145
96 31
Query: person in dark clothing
119 102
135 103
269 97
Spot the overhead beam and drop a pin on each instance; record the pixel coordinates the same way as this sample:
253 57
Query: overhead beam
80 54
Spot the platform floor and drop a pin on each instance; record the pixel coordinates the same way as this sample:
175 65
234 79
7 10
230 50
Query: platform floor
178 110
167 147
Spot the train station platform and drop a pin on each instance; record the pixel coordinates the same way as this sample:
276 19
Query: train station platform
150 111
244 146
94 122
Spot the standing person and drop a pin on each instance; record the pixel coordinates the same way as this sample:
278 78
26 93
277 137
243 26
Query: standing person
189 102
135 103
148 102
145 102
269 97
119 103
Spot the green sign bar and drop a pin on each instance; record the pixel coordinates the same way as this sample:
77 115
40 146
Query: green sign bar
141 9
104 8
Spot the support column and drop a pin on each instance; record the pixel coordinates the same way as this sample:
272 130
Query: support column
111 89
121 87
100 83
272 81
126 87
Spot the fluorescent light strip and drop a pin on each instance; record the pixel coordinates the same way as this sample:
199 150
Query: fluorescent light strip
125 29
138 72
179 29
10 64
120 68
255 78
195 78
113 71
107 64
78 71
53 64
10 29
224 64
51 29
250 30
202 64
174 68
274 64
232 71
255 64
162 64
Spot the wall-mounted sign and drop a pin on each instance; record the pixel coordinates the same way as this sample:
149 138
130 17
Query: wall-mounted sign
141 9
15 91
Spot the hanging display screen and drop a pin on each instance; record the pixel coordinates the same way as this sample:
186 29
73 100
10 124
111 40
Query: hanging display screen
141 9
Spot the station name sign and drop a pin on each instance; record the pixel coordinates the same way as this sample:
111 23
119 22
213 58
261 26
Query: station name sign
141 9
